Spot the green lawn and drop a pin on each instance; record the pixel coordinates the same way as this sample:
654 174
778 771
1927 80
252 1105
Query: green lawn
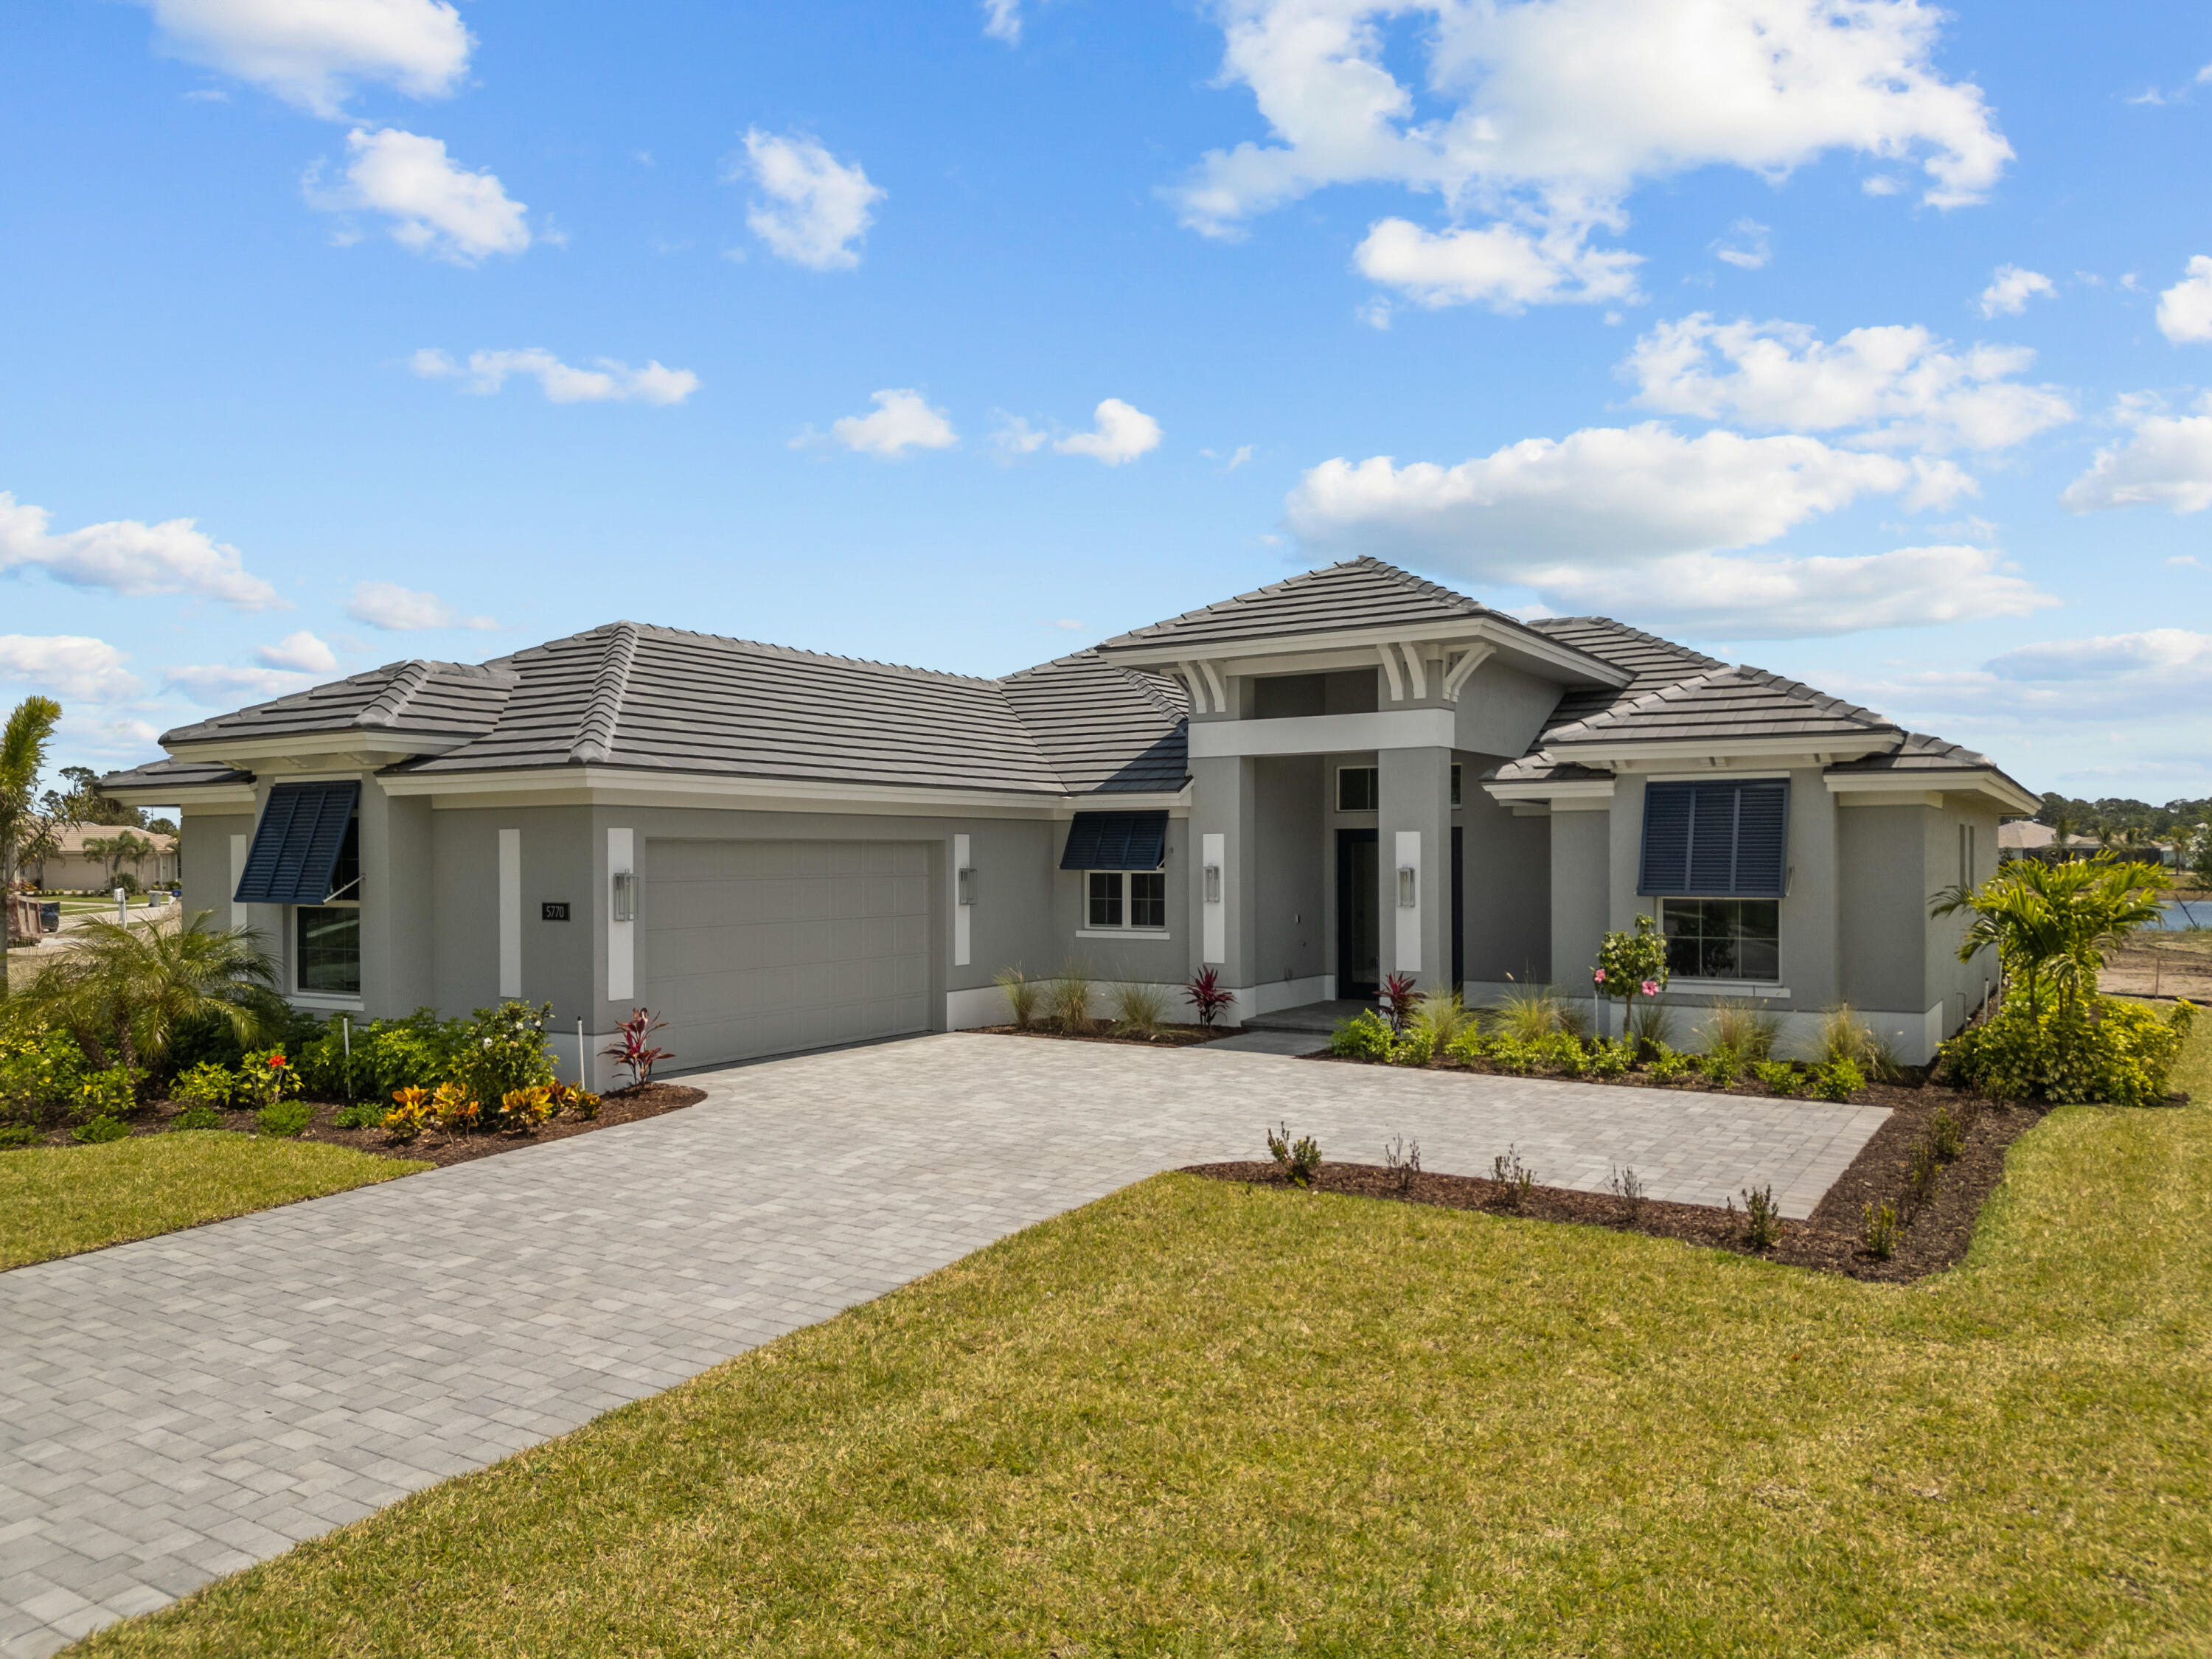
58 1201
1196 1419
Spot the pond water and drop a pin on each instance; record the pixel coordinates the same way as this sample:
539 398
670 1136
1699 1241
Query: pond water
2177 915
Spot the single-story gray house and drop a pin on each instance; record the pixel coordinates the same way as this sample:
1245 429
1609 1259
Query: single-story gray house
1348 775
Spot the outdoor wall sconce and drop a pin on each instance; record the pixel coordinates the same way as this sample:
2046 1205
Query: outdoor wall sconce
967 884
1213 883
1405 879
625 896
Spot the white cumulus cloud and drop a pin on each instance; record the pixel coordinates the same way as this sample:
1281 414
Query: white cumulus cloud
609 382
1499 265
2185 311
1541 116
2010 289
2166 461
131 557
1002 20
2160 676
437 206
1890 386
812 209
302 652
903 420
1745 245
398 610
313 52
1645 523
68 667
218 686
1120 433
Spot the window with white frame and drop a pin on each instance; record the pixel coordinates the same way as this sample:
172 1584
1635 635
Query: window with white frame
1133 900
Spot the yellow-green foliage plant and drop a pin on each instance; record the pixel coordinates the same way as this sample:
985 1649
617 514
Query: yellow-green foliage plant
2118 1052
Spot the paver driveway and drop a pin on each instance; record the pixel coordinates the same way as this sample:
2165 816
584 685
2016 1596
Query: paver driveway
175 1409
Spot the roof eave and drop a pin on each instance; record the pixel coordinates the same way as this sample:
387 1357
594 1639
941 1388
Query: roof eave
1504 633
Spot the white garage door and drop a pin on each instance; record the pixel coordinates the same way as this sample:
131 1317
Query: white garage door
761 947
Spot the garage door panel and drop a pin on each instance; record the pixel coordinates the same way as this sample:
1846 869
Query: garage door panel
764 947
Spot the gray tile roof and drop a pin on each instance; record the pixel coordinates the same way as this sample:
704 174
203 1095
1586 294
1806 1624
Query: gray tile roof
434 699
1918 755
1720 703
166 772
1103 729
1361 592
1654 662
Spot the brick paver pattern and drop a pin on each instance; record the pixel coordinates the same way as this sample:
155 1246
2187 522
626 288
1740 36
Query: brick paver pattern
175 1409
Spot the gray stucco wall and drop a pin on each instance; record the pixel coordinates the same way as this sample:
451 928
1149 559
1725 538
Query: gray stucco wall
1961 985
1501 709
1149 958
1582 855
1883 929
1506 886
1291 935
204 849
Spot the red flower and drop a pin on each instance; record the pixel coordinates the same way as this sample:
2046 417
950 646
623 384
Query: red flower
275 1062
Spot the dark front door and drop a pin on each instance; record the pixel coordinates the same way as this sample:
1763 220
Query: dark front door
1358 915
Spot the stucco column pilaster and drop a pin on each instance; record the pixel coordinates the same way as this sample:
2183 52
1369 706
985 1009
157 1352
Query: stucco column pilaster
1413 827
1224 810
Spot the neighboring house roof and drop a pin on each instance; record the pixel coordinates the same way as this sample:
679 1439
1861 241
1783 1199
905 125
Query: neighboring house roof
73 839
2026 835
435 699
1360 594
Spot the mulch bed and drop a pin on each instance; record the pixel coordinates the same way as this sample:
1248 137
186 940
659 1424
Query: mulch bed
435 1146
1896 1096
1933 1236
1168 1036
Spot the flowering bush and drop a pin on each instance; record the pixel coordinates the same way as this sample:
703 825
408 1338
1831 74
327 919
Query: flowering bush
1630 965
2103 1049
503 1050
267 1077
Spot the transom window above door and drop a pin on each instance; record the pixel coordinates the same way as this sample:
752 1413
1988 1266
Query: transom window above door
1360 788
1136 900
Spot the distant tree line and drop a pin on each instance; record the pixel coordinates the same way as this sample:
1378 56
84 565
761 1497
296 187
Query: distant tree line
2100 820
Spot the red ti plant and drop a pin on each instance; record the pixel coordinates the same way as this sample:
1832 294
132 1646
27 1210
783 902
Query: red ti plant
633 1046
1205 992
1398 998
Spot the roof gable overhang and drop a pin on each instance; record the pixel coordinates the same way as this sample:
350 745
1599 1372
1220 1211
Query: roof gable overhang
1289 652
1621 755
320 751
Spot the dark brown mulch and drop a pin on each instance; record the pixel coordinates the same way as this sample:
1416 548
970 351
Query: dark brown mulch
1168 1036
1897 1096
435 1146
1932 1237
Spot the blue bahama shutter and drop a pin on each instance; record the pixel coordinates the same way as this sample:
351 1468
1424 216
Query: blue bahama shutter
1715 839
297 844
1116 840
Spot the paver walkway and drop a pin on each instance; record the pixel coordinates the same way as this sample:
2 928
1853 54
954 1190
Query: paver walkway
176 1409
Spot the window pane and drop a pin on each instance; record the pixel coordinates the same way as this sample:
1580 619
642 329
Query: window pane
330 948
1762 919
1678 918
1682 957
1148 899
1105 898
1716 958
1355 788
1455 799
1759 959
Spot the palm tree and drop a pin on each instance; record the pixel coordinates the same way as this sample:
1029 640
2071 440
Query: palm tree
23 743
124 992
113 852
2053 926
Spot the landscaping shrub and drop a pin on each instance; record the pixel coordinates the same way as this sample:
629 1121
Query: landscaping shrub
1837 1080
1365 1035
1511 1054
1562 1051
410 1113
418 1051
197 1117
208 1085
1628 1186
1612 1060
41 1068
284 1118
1515 1180
1745 1031
1719 1066
1021 995
1946 1134
1776 1077
2102 1050
1762 1221
1402 1161
1138 1009
1529 1015
1204 993
568 1097
367 1115
1397 999
503 1049
1068 1003
1880 1231
1671 1065
1413 1046
1298 1159
1650 1027
1439 1017
1926 1171
1630 965
15 1135
458 1111
267 1077
523 1110
111 1091
97 1131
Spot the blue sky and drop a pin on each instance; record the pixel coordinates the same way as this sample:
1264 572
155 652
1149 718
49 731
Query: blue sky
1859 341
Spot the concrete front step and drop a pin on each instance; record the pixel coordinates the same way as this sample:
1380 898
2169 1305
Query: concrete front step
1323 1016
